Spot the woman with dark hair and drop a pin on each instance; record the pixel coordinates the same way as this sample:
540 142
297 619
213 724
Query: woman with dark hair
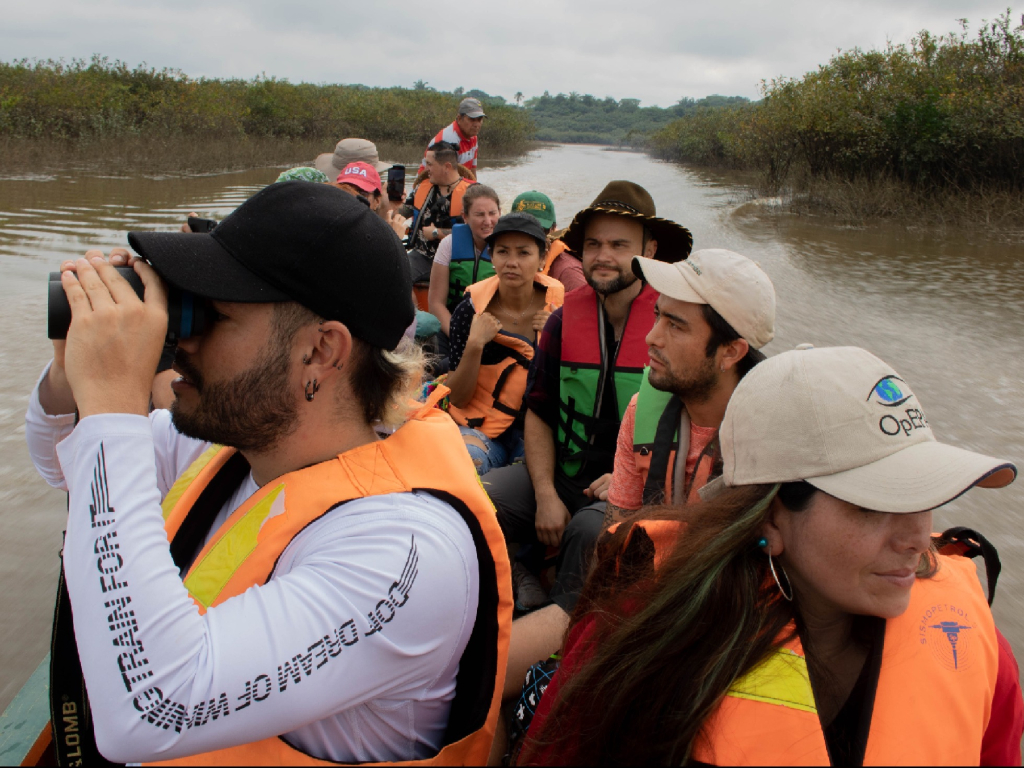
493 334
807 616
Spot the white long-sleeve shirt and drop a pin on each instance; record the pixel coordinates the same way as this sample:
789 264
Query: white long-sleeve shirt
350 651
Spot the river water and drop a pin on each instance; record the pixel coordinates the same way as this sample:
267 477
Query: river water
946 311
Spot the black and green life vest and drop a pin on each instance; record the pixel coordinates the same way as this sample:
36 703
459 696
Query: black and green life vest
582 377
467 267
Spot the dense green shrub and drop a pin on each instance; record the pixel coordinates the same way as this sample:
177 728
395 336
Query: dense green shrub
939 112
101 99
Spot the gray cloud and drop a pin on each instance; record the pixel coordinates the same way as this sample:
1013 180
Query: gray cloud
654 50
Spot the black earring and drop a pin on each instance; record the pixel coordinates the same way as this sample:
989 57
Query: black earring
306 360
311 389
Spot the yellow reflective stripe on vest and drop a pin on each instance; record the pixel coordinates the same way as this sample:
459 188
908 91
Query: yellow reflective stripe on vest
208 577
182 483
781 679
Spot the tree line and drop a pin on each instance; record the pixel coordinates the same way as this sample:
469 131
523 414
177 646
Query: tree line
101 99
935 114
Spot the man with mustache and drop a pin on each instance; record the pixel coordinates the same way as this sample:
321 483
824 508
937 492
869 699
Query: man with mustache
714 313
587 366
257 576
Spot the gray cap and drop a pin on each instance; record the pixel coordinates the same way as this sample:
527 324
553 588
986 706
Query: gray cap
471 107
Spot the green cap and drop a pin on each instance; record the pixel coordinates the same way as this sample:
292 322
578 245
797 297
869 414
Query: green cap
302 173
538 204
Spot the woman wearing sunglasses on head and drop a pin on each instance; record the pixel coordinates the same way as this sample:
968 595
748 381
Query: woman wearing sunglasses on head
807 616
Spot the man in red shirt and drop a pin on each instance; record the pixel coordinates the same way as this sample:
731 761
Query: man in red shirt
716 310
462 133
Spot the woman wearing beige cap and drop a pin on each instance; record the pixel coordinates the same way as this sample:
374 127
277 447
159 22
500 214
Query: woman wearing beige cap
808 616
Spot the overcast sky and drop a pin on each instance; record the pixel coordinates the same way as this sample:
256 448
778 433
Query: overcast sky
654 50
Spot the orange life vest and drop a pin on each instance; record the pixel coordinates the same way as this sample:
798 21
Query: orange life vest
500 386
457 194
555 249
932 701
245 549
933 698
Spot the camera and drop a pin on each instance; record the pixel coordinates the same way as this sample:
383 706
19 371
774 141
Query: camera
201 226
396 182
187 314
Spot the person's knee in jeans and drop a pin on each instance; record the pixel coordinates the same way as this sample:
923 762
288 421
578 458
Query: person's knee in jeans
578 544
487 454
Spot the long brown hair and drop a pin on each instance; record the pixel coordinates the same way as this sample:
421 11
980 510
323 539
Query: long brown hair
667 646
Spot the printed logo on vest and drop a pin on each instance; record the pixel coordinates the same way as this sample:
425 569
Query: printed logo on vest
946 631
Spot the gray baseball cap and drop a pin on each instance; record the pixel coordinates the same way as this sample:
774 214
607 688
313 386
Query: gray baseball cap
471 107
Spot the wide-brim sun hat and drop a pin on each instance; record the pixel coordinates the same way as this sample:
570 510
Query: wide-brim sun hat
349 151
626 198
844 421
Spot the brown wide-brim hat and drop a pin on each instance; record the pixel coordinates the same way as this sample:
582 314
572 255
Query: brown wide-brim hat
625 198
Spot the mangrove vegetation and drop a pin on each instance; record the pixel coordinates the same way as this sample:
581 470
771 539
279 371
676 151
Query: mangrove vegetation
932 127
98 107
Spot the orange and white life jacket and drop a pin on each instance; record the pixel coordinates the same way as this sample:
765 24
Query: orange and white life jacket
245 549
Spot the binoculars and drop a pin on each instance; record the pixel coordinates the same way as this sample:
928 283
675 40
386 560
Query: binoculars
187 314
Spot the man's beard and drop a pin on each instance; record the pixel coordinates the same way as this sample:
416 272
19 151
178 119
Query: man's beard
696 388
251 412
616 284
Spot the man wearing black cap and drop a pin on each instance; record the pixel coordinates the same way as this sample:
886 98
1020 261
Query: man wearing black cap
323 594
588 365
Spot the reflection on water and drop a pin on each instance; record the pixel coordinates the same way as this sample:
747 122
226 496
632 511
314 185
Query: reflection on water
947 312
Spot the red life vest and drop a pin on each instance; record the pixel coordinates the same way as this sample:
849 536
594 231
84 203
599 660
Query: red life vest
500 386
584 365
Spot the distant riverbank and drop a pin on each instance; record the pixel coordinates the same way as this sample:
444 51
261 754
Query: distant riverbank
103 115
928 132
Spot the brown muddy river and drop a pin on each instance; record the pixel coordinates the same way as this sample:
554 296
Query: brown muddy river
946 311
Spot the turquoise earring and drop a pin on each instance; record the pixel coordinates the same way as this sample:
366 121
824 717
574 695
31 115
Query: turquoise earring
762 542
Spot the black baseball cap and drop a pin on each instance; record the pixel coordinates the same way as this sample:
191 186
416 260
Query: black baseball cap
296 241
520 222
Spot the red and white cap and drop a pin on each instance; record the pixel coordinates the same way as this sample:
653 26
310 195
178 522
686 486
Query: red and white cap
361 175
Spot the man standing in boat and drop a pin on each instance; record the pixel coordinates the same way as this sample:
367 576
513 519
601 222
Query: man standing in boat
588 365
326 594
462 133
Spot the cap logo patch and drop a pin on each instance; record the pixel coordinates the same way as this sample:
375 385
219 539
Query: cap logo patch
891 392
355 172
530 205
693 266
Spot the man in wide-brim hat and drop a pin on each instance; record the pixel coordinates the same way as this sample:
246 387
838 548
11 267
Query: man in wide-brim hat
624 198
588 365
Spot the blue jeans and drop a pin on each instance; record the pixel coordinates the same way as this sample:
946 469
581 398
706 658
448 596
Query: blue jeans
500 451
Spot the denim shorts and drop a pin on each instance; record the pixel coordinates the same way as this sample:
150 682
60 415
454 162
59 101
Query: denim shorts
501 451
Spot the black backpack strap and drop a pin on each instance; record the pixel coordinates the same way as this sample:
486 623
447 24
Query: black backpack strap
967 542
668 425
74 739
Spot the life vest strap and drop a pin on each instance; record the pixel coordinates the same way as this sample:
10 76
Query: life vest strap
668 425
967 542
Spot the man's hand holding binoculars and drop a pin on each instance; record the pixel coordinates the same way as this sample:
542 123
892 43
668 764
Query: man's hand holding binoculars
114 340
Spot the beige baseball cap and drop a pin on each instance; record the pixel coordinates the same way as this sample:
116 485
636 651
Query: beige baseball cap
731 284
349 151
848 424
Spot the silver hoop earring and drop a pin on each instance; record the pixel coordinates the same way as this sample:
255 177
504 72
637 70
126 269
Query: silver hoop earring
771 565
311 389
